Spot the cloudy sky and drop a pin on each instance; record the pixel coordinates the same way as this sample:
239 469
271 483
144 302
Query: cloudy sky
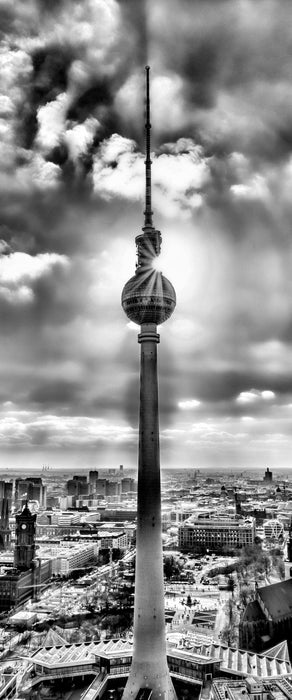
71 190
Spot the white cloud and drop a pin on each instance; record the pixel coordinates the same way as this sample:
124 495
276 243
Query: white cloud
166 89
167 101
51 120
18 272
188 404
254 395
36 174
44 175
247 397
80 137
33 428
16 67
118 170
92 27
18 295
18 267
177 174
15 71
254 188
268 395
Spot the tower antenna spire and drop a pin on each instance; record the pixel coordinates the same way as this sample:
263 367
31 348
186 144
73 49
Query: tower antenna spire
148 206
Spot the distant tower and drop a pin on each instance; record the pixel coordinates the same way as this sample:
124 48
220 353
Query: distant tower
149 299
6 488
268 478
25 539
237 500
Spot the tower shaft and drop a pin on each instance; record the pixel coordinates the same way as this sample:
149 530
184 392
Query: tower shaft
149 666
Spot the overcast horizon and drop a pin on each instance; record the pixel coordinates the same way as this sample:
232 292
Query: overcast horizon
71 190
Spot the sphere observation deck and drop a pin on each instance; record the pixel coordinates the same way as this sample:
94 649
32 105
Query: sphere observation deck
148 297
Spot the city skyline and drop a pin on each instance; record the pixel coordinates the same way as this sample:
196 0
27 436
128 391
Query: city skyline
72 189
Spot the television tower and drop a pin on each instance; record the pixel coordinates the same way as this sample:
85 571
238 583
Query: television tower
149 299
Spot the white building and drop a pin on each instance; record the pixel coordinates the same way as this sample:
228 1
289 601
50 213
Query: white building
66 558
65 518
273 529
203 532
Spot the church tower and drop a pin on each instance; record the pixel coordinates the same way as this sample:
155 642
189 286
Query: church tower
25 533
149 299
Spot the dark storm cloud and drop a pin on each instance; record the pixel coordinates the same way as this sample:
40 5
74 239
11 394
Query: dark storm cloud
73 61
227 385
234 64
49 78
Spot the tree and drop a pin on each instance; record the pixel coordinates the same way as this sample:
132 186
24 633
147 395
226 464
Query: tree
246 594
172 566
227 635
231 585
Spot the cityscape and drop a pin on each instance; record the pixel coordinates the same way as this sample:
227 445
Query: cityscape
68 549
145 357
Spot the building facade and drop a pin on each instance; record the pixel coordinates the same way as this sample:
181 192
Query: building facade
216 534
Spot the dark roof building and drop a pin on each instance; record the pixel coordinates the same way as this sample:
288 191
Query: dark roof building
268 619
276 600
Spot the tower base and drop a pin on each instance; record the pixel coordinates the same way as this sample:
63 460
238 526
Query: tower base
153 676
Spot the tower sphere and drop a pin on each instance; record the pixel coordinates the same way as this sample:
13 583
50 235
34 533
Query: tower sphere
148 297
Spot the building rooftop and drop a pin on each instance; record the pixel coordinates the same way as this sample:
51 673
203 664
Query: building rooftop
229 520
277 599
270 663
65 654
279 689
253 612
273 663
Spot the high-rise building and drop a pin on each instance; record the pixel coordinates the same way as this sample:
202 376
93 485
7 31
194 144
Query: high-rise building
112 488
128 484
268 478
237 500
92 479
78 486
30 488
6 488
149 299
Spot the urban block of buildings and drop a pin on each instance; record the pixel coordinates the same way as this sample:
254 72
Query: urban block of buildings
216 533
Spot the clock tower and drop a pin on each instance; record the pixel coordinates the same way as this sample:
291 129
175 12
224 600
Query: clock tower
25 539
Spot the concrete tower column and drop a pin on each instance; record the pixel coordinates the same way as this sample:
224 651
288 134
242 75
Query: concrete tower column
149 668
